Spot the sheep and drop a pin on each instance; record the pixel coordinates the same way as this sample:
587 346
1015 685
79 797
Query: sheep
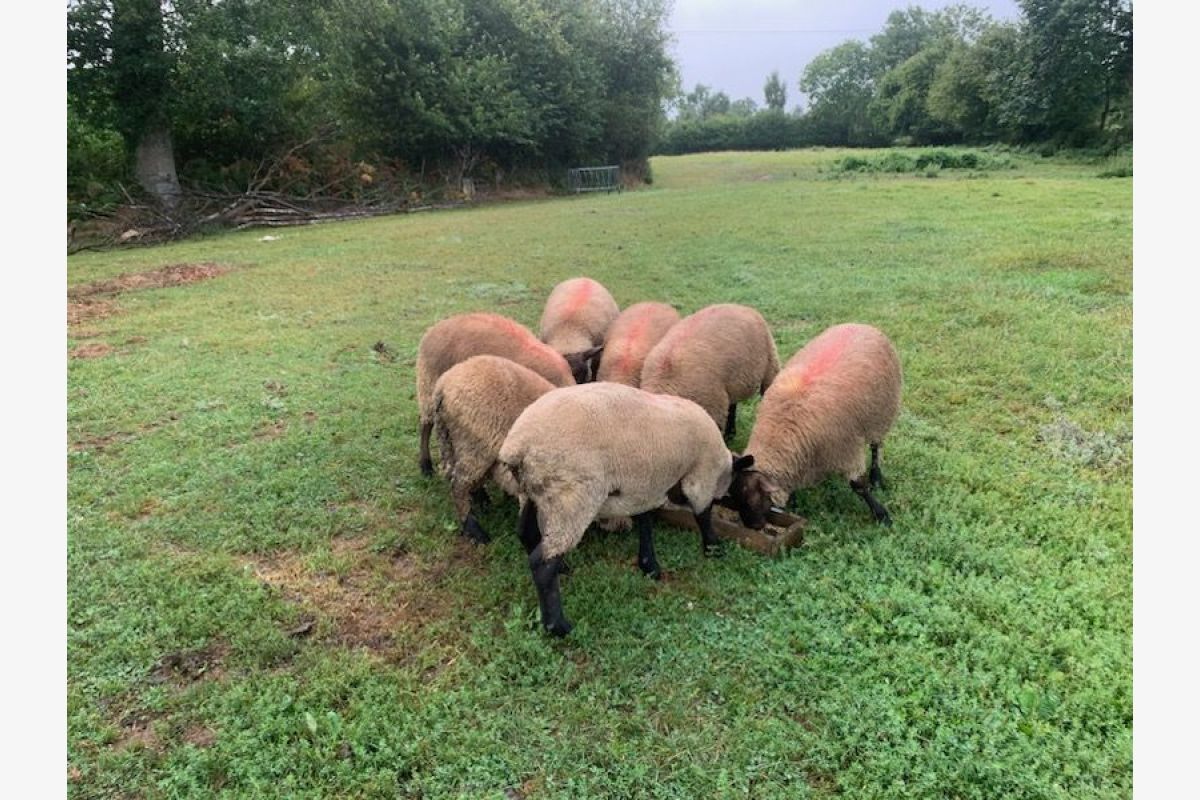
458 338
716 357
629 340
577 315
475 403
609 450
836 395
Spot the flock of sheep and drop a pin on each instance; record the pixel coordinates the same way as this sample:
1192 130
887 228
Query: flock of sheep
607 415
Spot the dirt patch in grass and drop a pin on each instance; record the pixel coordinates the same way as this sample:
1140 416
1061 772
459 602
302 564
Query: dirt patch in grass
383 351
85 305
103 441
367 597
174 275
200 736
91 350
188 666
88 310
137 730
270 430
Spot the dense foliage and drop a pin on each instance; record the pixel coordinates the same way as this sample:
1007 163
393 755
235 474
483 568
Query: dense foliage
1062 74
436 87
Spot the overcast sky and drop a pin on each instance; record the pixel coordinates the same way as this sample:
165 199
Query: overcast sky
733 45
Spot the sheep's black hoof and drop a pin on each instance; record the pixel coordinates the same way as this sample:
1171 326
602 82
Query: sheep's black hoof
650 569
559 627
472 530
426 467
884 519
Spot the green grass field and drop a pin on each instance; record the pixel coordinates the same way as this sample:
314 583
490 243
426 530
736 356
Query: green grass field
266 599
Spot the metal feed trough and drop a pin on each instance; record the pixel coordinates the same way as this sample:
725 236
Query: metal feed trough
594 179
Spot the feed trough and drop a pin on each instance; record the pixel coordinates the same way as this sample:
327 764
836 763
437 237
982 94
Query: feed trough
783 530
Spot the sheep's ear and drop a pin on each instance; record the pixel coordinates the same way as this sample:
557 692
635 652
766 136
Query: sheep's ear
742 463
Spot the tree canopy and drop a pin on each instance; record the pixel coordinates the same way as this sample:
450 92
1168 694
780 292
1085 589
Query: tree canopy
441 89
1063 74
449 86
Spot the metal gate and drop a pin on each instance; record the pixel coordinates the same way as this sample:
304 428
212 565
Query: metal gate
594 179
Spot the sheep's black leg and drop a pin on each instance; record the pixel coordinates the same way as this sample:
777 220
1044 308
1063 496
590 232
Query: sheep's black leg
863 490
792 499
480 499
426 459
731 422
545 580
646 557
876 474
527 528
708 538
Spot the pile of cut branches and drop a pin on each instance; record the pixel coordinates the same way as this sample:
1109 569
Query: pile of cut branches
278 193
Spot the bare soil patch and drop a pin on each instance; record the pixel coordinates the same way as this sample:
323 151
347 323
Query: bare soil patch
137 730
91 350
200 736
188 666
88 309
174 275
370 600
103 441
270 430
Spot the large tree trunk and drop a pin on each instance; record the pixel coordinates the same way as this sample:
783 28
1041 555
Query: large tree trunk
156 165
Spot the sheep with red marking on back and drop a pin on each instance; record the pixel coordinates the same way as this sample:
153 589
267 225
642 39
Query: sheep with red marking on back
577 316
716 357
631 338
457 338
836 396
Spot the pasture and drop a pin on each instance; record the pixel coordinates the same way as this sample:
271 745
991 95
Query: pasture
266 598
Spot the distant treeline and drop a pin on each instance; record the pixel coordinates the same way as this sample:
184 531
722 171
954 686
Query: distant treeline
1062 75
344 96
367 99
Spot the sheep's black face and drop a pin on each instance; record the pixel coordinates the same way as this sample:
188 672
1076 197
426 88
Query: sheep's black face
750 497
584 365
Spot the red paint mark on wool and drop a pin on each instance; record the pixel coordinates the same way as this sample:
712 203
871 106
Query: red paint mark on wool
826 351
637 331
522 335
581 292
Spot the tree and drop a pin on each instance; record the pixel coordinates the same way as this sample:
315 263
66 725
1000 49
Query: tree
746 107
839 85
638 73
119 74
193 80
775 92
975 91
702 102
900 103
1081 62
